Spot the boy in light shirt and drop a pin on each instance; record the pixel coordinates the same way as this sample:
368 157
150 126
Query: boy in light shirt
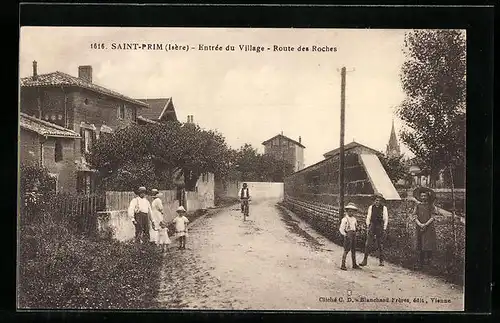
348 230
180 222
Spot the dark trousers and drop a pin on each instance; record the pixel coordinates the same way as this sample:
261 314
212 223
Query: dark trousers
349 245
141 227
375 232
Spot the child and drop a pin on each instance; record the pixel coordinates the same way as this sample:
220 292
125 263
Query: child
163 239
180 226
348 230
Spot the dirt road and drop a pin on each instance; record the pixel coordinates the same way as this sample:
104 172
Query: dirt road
275 261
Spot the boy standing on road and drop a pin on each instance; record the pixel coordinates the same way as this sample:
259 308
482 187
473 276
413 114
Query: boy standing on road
180 222
348 230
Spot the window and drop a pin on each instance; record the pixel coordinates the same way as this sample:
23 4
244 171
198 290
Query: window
58 151
121 111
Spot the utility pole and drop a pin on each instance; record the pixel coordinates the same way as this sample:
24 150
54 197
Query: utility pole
341 151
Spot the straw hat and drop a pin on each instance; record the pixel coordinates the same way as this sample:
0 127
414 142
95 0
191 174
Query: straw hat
378 195
428 191
181 209
141 189
351 206
155 192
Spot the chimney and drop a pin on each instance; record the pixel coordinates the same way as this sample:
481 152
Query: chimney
300 140
35 74
85 73
192 119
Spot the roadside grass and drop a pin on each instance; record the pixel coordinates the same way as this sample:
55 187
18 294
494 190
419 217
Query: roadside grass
60 269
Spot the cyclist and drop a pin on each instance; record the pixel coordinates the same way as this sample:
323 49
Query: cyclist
244 196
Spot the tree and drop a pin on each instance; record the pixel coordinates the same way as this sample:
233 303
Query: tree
433 78
395 167
433 113
253 166
151 153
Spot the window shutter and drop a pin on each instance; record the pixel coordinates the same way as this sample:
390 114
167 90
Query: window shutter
94 138
58 151
82 141
79 182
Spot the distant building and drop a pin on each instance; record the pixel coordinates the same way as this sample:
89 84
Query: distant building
284 148
160 110
393 149
363 175
352 146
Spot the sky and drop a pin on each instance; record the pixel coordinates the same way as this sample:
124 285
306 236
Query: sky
247 96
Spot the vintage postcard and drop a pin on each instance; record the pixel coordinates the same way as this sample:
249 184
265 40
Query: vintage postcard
241 169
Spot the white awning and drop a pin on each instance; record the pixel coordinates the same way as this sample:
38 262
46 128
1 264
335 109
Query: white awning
378 177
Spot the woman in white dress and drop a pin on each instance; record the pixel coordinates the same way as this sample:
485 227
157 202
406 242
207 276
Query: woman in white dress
156 216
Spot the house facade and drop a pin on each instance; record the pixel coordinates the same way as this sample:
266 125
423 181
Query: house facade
283 148
79 105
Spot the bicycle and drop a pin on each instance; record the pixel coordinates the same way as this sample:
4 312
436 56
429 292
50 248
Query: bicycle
245 209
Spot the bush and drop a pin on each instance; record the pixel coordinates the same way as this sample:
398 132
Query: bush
60 270
35 176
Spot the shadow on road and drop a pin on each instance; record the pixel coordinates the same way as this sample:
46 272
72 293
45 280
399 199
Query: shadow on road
293 227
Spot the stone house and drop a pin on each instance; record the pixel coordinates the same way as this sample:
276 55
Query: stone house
80 106
51 146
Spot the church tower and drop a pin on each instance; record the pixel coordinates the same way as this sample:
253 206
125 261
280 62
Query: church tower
393 149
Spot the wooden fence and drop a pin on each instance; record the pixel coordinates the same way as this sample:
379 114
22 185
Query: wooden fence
80 210
119 201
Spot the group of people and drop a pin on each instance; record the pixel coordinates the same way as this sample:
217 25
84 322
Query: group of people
377 219
150 223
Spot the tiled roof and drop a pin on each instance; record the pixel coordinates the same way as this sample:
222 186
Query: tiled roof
45 128
348 146
285 137
157 107
63 79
